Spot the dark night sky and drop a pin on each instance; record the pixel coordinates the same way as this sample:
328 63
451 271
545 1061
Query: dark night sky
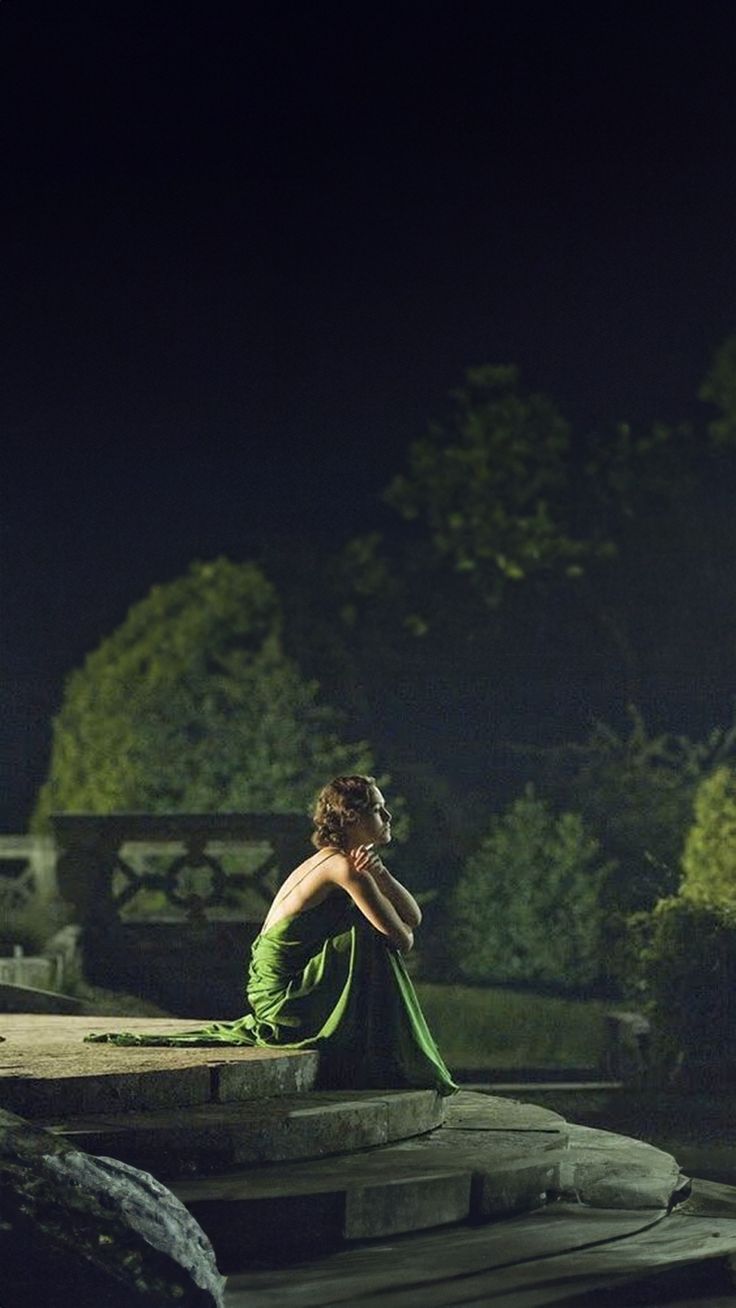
248 249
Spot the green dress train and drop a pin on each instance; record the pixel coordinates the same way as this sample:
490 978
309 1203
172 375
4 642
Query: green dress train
324 979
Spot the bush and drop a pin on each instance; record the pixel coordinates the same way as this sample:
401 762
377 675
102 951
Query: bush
709 859
635 791
691 971
527 907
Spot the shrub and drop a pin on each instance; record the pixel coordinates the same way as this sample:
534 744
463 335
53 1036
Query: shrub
527 907
691 970
635 791
709 859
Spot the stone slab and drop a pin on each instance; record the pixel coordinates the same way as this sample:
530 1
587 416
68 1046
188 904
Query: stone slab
470 1110
566 1254
457 1172
46 1069
78 1229
215 1137
506 1171
606 1170
406 1203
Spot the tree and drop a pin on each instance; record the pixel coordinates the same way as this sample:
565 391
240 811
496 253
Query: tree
527 906
635 791
709 858
491 485
193 705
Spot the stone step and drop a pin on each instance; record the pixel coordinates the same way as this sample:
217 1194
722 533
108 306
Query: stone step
490 1158
565 1254
605 1170
219 1137
46 1069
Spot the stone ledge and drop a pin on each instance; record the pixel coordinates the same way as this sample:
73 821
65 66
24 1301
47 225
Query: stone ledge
46 1069
213 1137
467 1169
606 1170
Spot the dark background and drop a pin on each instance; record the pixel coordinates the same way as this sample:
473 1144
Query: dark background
248 250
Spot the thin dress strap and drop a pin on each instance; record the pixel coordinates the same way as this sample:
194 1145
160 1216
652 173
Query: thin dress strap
296 885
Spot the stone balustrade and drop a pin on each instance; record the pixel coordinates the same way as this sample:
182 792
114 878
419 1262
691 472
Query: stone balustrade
170 903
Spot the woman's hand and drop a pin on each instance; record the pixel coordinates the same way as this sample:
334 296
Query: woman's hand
365 859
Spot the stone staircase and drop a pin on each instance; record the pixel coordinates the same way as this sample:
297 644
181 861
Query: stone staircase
274 1169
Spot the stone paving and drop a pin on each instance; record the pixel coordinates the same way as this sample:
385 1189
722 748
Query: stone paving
563 1254
351 1197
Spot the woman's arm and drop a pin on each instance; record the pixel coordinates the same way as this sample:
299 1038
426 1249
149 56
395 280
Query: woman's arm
373 904
367 860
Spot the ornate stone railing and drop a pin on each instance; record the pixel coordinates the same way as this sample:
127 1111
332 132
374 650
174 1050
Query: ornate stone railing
189 955
91 864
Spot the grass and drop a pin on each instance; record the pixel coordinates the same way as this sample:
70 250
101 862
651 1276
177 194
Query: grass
497 1028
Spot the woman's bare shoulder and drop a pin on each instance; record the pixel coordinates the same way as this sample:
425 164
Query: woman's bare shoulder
336 865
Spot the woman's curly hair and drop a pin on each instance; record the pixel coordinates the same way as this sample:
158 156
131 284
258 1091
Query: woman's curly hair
340 803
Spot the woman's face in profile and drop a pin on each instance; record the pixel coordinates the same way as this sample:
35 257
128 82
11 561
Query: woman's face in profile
374 826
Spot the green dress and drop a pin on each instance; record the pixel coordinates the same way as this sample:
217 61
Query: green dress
324 979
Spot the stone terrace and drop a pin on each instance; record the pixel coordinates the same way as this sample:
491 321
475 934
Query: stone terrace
275 1171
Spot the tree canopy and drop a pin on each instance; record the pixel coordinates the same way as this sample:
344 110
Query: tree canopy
192 705
491 484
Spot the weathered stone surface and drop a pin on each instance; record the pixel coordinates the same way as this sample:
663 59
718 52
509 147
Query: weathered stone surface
66 1085
470 1110
94 1228
412 1112
607 1170
469 1168
214 1137
513 1185
564 1254
46 1069
406 1203
255 1078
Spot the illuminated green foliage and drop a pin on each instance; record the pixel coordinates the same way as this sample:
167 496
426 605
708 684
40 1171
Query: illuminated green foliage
193 705
527 906
709 858
490 486
636 789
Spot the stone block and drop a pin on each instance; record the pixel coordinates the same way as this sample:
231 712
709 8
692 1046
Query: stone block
606 1170
513 1185
272 1074
406 1203
312 1132
93 1230
55 1095
412 1112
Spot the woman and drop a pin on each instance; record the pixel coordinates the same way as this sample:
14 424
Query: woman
326 970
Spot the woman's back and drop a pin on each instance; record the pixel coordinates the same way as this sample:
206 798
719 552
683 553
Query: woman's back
304 888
